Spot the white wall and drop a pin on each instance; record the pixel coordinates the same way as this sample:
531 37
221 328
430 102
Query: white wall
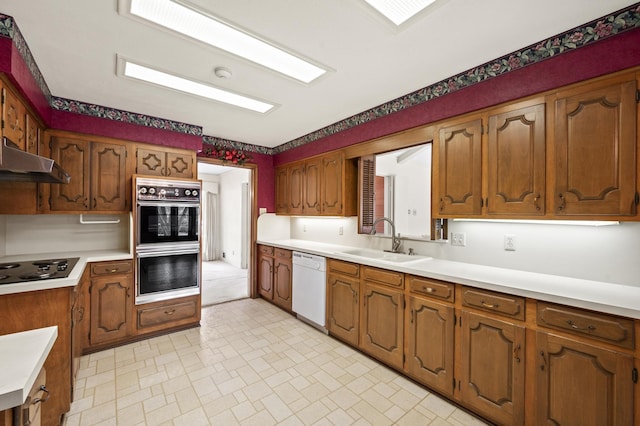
231 217
46 233
607 253
412 190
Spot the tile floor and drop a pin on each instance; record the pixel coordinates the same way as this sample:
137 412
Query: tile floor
222 282
249 364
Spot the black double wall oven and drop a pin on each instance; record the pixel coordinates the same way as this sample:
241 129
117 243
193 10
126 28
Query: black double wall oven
167 239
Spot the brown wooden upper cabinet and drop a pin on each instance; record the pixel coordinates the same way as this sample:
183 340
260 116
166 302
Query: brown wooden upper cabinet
99 176
23 128
168 162
595 148
325 185
492 164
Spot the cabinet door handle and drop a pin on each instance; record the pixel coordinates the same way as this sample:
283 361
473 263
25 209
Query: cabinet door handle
535 202
577 327
516 353
544 361
563 202
489 305
413 313
44 389
355 298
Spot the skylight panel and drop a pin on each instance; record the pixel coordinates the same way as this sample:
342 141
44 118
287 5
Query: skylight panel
217 33
398 11
161 78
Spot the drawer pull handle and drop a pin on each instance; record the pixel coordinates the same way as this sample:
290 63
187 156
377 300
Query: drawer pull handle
113 270
428 289
44 389
489 305
577 327
170 312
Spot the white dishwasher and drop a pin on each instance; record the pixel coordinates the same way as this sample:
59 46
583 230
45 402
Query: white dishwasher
309 294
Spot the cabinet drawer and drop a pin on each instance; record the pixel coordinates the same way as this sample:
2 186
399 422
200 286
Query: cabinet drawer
499 303
282 253
159 315
108 268
432 288
382 276
607 328
345 268
268 250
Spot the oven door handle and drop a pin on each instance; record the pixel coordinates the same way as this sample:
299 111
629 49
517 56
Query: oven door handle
167 252
168 203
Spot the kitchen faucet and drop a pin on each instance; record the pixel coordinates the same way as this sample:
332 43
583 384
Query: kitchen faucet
395 240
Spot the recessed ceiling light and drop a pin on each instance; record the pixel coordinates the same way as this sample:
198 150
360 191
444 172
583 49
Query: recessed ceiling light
398 11
161 78
213 31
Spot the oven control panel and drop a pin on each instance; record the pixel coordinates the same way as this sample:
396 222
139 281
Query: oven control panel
167 190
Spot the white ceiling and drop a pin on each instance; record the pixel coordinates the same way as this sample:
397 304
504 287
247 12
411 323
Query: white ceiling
75 43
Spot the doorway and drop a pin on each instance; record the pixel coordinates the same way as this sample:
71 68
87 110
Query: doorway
226 232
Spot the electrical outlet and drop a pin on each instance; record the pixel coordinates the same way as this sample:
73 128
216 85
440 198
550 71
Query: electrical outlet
340 230
510 242
458 239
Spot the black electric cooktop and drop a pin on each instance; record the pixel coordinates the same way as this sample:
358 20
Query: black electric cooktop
36 270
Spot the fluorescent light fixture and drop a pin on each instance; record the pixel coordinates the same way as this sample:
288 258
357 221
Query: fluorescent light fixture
187 20
547 222
160 78
398 11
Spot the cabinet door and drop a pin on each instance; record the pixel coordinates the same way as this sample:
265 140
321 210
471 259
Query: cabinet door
430 343
108 177
13 117
516 162
150 162
265 276
110 308
332 183
312 187
343 315
459 150
74 157
381 331
295 180
33 131
282 190
595 148
579 384
282 283
492 368
179 165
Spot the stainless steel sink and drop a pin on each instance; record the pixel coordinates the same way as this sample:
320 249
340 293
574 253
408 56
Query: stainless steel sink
384 256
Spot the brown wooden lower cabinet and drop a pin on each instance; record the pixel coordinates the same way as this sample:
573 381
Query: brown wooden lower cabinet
382 323
492 374
44 308
110 295
580 384
282 278
274 275
430 344
157 316
343 313
509 360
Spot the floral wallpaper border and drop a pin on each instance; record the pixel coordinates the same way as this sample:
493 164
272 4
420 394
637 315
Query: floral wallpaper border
612 24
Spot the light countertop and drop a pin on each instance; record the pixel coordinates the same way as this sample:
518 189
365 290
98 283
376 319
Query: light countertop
22 356
599 296
74 277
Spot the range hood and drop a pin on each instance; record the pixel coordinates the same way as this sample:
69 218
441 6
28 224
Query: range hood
20 166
